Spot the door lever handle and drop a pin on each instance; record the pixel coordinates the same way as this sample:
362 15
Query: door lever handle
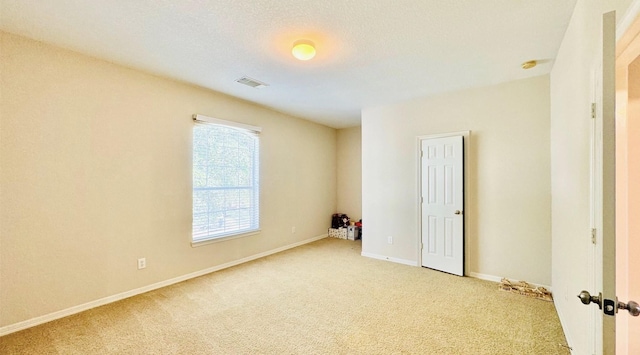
632 307
457 212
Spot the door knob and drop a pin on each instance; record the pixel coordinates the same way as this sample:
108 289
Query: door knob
458 212
586 298
632 307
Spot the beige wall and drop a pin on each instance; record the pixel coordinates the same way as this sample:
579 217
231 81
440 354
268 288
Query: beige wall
507 213
350 172
571 97
96 172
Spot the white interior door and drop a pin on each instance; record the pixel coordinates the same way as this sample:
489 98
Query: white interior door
442 202
604 199
609 300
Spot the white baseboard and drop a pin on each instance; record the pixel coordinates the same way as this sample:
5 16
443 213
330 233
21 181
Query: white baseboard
388 258
485 277
498 279
567 335
12 328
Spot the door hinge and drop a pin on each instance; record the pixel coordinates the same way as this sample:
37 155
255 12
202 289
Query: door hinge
422 154
421 246
594 233
421 199
593 110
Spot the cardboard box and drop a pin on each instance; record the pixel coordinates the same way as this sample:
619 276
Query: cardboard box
340 233
352 233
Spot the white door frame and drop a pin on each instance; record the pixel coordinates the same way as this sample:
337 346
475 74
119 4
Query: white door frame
627 19
466 173
626 37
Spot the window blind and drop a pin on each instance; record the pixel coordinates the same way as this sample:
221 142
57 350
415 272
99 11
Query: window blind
225 179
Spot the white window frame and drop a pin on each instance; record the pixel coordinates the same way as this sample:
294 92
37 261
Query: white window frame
253 131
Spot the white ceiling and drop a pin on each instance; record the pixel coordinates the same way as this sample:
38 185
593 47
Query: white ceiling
370 52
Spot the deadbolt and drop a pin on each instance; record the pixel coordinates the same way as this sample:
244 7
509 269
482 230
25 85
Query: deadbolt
458 212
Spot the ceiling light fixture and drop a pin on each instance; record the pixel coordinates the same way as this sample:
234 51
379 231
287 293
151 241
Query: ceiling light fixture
530 64
303 49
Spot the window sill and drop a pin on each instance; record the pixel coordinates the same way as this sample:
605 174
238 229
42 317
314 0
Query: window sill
202 242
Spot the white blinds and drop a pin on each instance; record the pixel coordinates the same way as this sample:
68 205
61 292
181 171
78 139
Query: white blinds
212 120
225 179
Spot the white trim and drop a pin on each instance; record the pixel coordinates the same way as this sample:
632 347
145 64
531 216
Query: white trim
567 335
12 328
207 241
627 19
388 258
213 120
485 277
497 279
465 134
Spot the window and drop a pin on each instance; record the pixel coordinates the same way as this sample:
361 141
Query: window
225 179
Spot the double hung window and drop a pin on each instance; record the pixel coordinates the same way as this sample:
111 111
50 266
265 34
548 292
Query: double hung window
225 179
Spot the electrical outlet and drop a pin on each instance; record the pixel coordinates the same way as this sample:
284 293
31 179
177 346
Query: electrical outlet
390 239
293 229
142 263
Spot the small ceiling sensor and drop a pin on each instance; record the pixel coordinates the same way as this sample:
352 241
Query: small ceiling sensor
530 64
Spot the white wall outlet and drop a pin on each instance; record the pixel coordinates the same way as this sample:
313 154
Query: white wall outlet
293 229
142 263
390 239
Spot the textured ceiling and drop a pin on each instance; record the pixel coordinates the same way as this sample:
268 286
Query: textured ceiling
370 52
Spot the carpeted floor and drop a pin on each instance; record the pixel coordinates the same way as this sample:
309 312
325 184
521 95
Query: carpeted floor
321 298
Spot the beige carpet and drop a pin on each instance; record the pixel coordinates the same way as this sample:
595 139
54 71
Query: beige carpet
321 298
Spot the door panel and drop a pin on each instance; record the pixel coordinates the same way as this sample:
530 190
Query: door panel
442 204
603 195
608 181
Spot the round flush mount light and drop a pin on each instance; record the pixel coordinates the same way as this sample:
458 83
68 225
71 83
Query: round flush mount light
530 64
303 49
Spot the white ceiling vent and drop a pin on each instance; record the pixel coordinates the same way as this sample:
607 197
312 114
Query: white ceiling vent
251 82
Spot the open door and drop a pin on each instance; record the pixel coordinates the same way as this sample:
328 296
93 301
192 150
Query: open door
442 199
605 200
608 129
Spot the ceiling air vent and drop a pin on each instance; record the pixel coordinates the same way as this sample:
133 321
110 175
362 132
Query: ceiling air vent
245 80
